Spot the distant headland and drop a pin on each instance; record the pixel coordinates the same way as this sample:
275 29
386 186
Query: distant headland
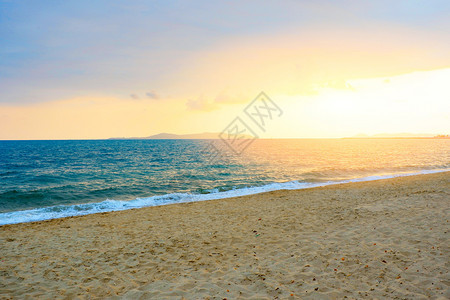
404 135
172 136
217 135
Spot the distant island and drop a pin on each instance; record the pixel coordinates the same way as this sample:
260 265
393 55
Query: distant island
400 135
172 136
217 135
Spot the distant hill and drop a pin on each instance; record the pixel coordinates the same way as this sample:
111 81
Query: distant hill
400 135
403 134
216 135
172 136
192 136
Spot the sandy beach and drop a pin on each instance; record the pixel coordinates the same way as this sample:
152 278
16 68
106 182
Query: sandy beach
378 239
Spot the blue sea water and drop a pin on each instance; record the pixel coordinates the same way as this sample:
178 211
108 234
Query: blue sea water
49 179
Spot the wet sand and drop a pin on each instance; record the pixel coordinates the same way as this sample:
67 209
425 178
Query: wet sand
380 239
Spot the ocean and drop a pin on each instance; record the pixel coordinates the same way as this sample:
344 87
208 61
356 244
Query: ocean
42 180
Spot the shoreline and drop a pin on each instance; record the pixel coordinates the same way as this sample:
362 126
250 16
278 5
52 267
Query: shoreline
66 211
381 238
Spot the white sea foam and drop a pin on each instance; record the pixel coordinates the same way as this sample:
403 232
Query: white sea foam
63 211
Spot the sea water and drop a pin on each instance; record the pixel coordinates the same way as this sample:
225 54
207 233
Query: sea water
42 180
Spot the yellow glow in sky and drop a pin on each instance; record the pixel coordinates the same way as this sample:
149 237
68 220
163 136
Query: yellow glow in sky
416 102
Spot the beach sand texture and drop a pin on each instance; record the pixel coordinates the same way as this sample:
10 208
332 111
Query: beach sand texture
378 239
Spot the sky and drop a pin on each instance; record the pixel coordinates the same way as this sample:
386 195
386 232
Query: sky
100 69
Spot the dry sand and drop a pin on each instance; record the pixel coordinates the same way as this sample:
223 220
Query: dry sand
379 239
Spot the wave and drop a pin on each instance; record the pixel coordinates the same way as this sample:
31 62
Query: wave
63 211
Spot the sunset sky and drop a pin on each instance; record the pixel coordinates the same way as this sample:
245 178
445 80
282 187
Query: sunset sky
85 69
